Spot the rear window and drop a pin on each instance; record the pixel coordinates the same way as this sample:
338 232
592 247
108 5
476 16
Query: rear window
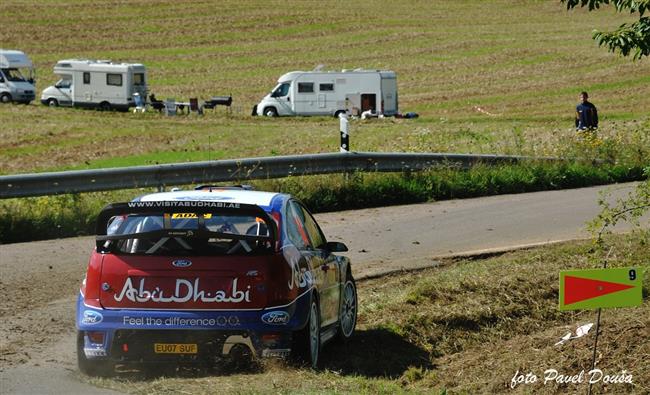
138 79
193 237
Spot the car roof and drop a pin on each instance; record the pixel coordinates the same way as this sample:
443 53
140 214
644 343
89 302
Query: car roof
265 200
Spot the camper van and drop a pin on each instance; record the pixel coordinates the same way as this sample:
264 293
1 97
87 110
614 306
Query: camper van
16 77
96 84
331 93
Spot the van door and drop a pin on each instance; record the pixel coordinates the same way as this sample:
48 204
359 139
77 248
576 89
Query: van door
368 102
389 95
3 86
281 99
64 91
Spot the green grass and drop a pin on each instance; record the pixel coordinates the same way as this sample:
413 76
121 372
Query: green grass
48 217
450 57
484 76
464 327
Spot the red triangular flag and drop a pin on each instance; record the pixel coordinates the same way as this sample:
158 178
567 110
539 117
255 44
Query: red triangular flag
577 289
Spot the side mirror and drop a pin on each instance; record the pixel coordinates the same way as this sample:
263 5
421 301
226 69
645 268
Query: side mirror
288 98
335 246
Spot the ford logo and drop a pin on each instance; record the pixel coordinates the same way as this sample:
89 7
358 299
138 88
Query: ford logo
276 318
91 317
182 263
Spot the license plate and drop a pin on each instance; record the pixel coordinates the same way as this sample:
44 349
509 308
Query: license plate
174 348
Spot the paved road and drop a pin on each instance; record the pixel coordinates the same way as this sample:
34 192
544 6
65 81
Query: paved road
37 322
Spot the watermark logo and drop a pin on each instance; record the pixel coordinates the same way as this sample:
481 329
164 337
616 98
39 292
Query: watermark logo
553 376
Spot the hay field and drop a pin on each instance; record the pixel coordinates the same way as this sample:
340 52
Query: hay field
485 76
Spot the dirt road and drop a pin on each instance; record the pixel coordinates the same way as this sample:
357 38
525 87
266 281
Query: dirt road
39 281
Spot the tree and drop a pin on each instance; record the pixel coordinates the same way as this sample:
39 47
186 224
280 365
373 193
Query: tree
630 209
633 37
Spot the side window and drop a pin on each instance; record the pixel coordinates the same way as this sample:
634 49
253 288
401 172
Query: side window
86 78
114 79
305 87
296 230
326 87
315 235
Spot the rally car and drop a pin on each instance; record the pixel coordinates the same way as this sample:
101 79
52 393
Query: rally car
207 274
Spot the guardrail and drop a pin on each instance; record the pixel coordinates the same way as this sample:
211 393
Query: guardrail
236 170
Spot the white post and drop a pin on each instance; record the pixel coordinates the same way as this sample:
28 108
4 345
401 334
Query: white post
345 133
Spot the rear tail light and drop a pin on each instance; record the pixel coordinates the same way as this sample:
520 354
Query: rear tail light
96 337
125 347
269 339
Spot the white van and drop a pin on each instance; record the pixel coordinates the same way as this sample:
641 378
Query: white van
332 93
16 77
96 84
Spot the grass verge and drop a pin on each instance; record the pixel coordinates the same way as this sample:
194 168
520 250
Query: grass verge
466 326
50 217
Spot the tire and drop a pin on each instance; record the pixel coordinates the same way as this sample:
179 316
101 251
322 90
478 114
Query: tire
5 98
104 106
270 112
52 103
307 344
349 308
101 368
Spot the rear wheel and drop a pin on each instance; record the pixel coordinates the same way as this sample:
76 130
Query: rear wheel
348 313
91 367
105 106
5 98
270 112
52 103
307 343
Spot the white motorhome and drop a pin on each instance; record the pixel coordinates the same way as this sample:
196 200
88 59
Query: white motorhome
332 93
96 84
16 77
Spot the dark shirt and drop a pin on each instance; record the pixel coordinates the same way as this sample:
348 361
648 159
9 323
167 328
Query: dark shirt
586 116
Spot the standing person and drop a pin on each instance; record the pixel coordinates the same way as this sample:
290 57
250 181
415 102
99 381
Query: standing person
586 114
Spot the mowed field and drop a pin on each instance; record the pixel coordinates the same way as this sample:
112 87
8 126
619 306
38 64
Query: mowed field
485 76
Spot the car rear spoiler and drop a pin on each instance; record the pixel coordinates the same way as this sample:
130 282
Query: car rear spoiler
173 206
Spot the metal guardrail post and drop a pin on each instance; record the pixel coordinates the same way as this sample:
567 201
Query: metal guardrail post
345 134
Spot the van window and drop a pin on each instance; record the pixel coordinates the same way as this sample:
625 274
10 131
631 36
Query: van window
305 87
326 87
114 79
64 83
138 79
86 78
281 90
13 75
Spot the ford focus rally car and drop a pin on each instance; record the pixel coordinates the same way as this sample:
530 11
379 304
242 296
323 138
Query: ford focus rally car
201 275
